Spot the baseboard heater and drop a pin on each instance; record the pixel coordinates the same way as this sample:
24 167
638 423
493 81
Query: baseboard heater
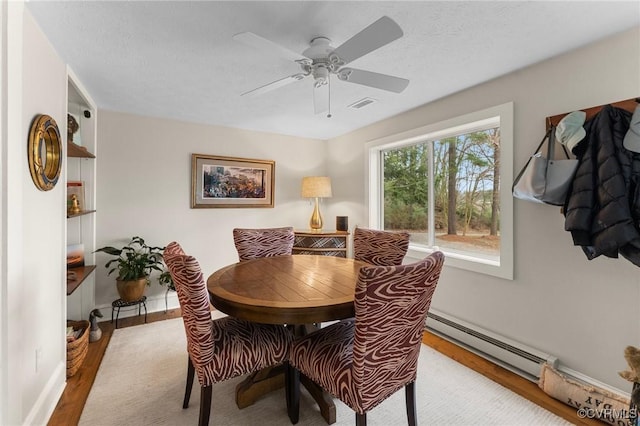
514 356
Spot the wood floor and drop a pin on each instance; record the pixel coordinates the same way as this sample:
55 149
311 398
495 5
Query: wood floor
71 403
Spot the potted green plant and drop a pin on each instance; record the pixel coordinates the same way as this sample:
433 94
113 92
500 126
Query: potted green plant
134 263
165 279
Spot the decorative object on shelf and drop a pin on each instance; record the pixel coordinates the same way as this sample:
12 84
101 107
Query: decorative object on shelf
75 197
231 182
45 152
342 223
75 255
95 333
75 205
316 187
134 263
72 127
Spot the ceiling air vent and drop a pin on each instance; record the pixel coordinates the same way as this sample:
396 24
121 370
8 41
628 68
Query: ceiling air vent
362 103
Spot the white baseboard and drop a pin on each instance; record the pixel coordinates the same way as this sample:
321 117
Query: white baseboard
49 397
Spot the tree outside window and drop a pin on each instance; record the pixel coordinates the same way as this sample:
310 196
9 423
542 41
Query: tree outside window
448 184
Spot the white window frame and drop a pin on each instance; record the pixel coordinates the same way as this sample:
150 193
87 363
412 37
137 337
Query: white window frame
502 115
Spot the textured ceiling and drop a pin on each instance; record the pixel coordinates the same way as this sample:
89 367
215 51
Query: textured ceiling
178 59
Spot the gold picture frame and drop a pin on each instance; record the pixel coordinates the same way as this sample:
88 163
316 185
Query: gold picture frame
45 152
231 182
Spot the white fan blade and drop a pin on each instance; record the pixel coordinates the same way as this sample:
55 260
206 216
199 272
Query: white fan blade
321 98
261 43
373 79
274 85
376 35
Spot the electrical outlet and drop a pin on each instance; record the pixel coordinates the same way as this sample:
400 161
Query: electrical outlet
38 357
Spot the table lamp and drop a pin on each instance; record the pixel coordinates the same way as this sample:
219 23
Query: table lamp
316 187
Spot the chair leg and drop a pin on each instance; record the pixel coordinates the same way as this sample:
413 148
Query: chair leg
410 396
205 405
287 384
361 419
191 371
292 389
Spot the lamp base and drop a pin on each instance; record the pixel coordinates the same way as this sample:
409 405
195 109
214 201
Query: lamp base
315 222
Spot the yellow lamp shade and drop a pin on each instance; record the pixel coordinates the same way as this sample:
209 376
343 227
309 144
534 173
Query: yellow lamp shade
316 187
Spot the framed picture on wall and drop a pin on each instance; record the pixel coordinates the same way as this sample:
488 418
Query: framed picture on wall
231 182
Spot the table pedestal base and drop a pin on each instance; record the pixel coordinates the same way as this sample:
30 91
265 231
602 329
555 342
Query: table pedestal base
323 399
259 383
269 379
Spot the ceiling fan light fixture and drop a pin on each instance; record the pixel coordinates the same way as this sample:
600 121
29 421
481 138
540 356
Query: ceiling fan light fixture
320 74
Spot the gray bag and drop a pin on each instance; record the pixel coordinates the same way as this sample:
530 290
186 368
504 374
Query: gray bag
545 180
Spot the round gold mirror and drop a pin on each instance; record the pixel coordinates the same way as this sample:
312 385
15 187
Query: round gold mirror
45 152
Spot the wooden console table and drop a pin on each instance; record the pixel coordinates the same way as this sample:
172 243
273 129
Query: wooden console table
324 243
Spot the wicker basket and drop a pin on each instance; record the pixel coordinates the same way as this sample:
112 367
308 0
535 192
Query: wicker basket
77 350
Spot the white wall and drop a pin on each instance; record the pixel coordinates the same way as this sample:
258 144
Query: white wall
4 142
584 312
144 186
33 303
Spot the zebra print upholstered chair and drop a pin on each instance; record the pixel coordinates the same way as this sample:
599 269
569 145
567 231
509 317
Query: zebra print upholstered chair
365 360
265 242
223 348
380 248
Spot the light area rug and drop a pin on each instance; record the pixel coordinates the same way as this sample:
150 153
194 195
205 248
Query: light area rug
142 377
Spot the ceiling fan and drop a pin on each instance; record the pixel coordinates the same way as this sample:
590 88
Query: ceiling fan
321 60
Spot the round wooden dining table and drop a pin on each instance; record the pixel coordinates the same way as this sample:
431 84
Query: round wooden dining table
297 290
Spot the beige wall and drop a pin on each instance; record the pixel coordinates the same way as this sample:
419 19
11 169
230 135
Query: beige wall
144 184
584 312
34 313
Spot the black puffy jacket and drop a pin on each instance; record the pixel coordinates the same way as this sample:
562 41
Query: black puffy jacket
602 210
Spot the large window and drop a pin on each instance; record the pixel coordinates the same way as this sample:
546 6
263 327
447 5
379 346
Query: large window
449 186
